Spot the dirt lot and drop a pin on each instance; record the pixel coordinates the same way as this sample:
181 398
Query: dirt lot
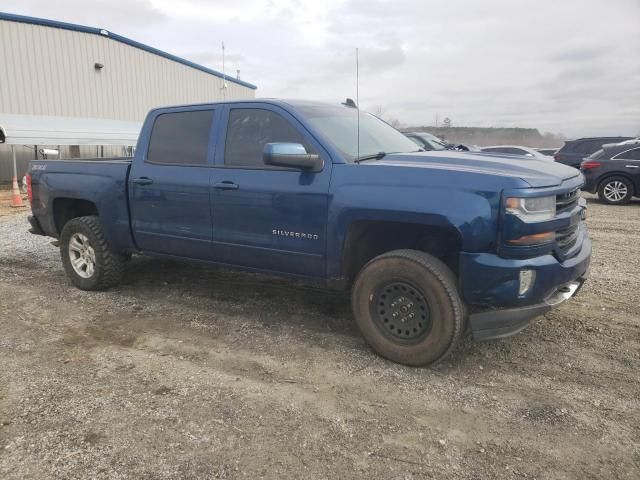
188 372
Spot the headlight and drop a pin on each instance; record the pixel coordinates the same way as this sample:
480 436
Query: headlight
535 209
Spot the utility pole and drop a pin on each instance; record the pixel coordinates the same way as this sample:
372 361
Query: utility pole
224 77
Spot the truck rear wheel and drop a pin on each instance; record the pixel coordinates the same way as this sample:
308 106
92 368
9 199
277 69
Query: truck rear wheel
86 257
407 307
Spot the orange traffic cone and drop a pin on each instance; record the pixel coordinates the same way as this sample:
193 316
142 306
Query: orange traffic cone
16 200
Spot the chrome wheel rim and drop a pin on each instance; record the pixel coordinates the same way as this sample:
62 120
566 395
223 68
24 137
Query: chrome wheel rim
82 255
615 191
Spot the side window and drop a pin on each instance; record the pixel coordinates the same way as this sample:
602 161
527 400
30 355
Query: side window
588 147
180 138
492 150
630 155
515 151
582 147
249 130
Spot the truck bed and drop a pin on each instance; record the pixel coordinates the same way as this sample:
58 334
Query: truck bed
101 183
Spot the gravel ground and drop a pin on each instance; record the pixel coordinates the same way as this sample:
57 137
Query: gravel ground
189 372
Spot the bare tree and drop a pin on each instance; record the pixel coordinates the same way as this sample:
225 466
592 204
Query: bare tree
381 112
446 123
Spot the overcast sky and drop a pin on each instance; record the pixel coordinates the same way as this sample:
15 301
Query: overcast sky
565 66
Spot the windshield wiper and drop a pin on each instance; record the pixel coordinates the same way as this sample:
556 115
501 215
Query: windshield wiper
374 156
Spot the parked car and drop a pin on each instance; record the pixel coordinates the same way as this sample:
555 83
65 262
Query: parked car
631 141
462 147
614 172
429 142
574 151
550 152
516 150
428 243
426 141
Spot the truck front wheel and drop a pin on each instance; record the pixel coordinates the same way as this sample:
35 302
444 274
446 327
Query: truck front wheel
406 305
86 257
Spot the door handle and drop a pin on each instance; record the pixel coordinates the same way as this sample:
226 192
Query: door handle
632 166
142 181
226 186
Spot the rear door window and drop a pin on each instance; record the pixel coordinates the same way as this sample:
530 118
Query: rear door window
180 138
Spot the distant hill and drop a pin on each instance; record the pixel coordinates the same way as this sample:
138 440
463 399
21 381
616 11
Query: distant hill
481 136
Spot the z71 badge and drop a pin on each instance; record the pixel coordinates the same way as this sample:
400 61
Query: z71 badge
287 233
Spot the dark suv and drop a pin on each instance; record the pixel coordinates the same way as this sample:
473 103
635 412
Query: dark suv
574 151
614 172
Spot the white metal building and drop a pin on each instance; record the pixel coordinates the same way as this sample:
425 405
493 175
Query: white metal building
50 68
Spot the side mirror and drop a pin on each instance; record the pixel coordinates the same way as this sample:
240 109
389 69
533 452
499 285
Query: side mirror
292 155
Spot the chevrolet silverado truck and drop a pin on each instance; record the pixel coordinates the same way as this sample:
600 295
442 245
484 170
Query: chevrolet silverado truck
430 244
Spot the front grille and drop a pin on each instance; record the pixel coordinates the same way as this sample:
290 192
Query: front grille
568 200
567 238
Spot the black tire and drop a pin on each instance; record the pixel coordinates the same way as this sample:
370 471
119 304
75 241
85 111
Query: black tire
607 194
108 267
429 286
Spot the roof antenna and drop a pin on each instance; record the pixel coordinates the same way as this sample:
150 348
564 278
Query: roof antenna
357 106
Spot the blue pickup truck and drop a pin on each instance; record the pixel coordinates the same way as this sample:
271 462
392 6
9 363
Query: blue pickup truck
431 244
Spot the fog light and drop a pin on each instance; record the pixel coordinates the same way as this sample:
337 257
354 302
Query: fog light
527 277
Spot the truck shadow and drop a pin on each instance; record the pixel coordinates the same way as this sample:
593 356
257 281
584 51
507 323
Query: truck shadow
272 299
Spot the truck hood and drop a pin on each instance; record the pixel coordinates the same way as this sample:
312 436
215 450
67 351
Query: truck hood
536 173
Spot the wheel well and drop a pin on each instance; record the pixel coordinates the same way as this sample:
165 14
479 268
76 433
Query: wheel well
64 209
368 239
617 174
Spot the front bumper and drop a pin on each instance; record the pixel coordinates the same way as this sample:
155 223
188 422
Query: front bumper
490 288
493 324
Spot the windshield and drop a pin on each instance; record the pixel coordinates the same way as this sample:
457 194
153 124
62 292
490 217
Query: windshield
339 125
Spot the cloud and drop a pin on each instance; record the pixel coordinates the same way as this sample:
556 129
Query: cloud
570 66
213 59
581 54
107 14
